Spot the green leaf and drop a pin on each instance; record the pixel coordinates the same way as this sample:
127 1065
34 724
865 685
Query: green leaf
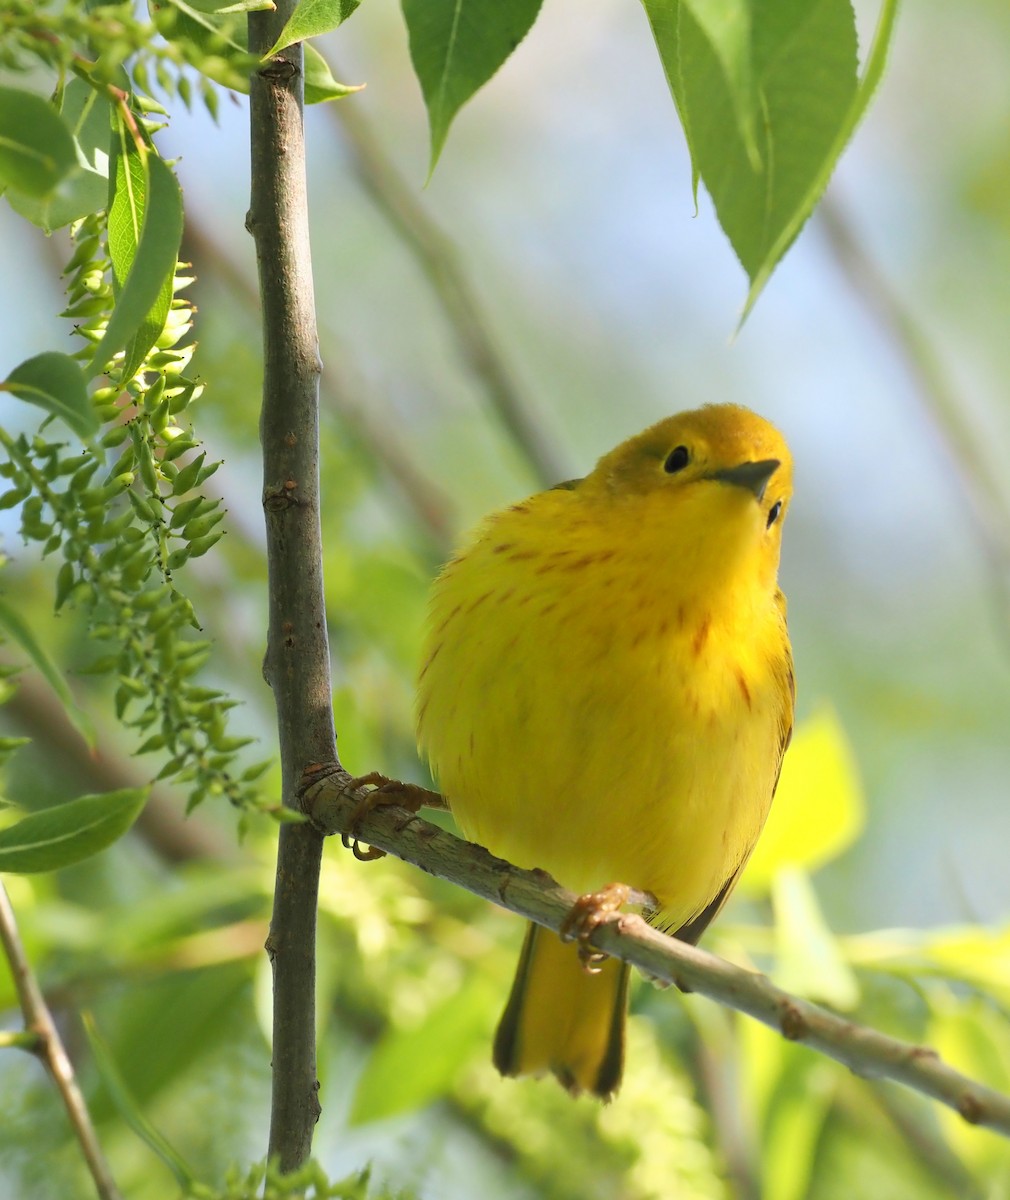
84 189
312 18
56 383
16 628
67 833
36 147
819 809
145 229
131 1111
872 74
403 1074
768 96
809 961
726 25
456 46
319 82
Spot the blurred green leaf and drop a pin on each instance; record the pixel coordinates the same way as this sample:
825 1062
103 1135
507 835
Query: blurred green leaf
85 187
56 383
819 809
456 46
411 1067
36 147
973 1037
130 1111
312 18
68 833
794 1121
809 961
14 626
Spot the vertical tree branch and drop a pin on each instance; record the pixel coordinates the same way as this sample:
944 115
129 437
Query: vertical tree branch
297 664
46 1043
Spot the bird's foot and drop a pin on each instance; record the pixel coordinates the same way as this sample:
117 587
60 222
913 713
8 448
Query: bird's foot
411 796
587 914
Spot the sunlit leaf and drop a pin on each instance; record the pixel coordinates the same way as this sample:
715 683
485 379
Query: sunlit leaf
68 833
456 46
818 811
149 218
55 383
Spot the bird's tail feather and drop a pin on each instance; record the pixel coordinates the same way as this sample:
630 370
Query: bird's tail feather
561 1018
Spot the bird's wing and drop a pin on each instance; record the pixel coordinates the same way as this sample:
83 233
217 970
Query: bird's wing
693 929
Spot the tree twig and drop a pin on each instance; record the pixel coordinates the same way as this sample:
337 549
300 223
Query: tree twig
536 896
349 398
297 664
48 1046
439 259
986 506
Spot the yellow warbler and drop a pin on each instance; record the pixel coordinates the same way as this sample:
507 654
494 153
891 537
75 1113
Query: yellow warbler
607 693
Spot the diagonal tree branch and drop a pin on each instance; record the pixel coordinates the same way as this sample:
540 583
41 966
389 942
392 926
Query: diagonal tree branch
536 896
45 1042
297 664
439 259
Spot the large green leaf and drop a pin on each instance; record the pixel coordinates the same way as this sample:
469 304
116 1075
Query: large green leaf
56 383
36 147
769 96
456 46
84 189
145 230
67 833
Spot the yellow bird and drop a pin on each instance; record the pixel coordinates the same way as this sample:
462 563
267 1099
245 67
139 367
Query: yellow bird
607 693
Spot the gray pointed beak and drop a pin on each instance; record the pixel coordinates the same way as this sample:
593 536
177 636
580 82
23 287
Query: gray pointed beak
753 476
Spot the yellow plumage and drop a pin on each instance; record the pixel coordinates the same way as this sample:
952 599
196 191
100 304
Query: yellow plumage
606 692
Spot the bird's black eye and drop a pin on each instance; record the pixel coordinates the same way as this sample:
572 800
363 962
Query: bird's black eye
677 460
773 513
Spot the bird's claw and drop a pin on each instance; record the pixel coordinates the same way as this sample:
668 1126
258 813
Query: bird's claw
586 915
384 791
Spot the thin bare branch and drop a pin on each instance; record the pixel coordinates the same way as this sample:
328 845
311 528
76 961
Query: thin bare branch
297 664
48 1046
986 504
536 896
439 259
347 396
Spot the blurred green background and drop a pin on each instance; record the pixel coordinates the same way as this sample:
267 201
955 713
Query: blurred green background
880 349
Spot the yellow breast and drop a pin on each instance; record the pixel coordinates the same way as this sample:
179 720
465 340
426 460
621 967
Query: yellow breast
593 703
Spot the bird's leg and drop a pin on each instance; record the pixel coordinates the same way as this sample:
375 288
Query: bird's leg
385 791
592 910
